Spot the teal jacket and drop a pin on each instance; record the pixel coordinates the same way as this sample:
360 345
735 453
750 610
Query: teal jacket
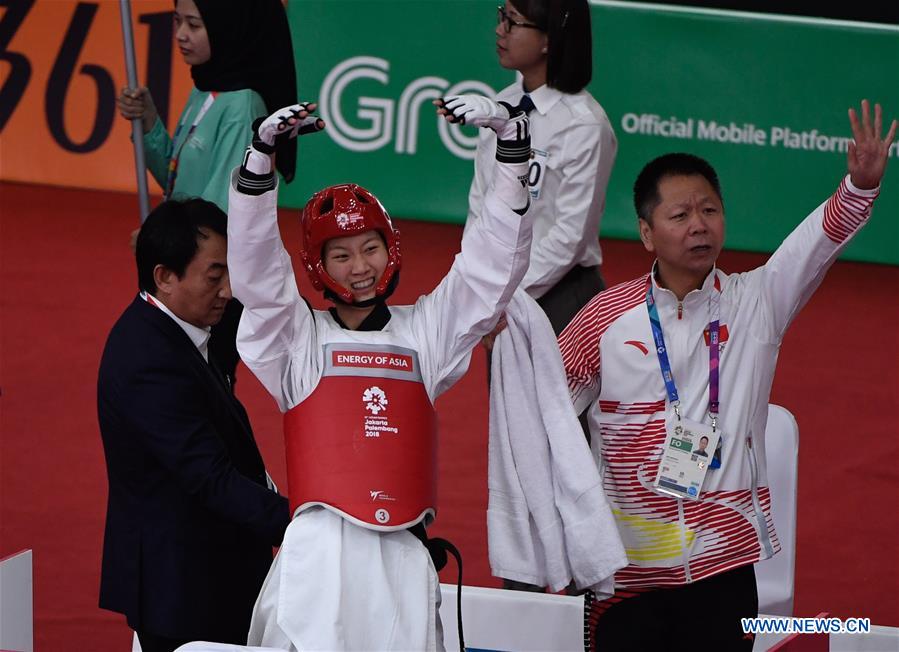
214 149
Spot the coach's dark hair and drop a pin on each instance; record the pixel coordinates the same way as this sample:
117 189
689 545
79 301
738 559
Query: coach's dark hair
170 235
569 61
646 187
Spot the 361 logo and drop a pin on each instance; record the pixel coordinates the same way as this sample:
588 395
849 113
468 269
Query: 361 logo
388 120
68 73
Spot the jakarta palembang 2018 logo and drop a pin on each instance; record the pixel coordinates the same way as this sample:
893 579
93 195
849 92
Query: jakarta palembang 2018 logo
375 400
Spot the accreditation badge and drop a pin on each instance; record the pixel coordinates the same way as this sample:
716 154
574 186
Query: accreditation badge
688 451
537 171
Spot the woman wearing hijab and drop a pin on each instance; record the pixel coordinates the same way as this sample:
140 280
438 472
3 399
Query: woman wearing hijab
241 61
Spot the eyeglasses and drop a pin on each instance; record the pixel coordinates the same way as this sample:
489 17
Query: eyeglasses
503 18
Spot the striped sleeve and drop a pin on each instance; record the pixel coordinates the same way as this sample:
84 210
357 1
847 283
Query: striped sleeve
579 344
847 210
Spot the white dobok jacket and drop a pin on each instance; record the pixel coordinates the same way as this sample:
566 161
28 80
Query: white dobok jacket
336 585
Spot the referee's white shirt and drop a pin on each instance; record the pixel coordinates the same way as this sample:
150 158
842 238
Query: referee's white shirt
574 150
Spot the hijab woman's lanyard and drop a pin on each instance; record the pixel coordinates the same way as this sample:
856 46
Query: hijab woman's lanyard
667 376
173 161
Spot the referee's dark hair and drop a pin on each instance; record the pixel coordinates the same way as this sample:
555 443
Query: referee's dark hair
569 60
169 237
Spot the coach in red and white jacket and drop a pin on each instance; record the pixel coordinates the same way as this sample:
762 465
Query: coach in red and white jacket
690 574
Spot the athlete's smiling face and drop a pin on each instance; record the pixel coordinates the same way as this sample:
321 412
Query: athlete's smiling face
357 262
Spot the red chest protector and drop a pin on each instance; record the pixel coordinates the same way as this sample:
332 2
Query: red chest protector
364 443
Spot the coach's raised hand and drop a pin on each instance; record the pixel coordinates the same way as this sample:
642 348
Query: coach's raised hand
868 154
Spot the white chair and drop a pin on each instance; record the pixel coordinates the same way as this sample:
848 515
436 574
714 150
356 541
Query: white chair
775 576
16 605
497 619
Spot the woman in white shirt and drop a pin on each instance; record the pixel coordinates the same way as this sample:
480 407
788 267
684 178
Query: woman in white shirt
549 43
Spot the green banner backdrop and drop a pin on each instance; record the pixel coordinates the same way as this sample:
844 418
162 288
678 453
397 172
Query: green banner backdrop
763 98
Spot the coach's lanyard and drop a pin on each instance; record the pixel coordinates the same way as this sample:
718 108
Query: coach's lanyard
173 161
662 353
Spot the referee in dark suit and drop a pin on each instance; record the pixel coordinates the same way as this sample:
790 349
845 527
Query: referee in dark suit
192 515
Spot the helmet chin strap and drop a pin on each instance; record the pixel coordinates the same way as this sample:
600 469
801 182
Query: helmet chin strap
368 303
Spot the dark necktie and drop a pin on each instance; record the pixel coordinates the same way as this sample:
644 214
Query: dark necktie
526 104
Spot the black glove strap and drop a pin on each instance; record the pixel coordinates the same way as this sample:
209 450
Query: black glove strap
513 151
258 144
513 110
250 183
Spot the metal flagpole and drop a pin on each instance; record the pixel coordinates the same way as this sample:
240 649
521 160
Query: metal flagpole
137 127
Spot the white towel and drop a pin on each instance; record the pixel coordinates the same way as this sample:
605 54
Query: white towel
548 521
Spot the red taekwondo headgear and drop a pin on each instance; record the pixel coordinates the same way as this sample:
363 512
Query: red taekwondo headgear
339 211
